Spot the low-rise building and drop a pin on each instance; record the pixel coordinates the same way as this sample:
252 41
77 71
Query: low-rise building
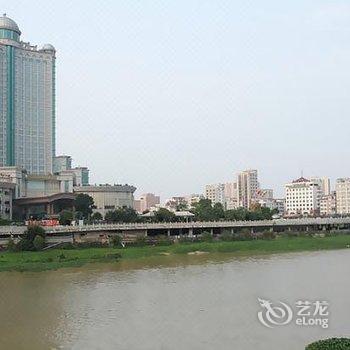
109 197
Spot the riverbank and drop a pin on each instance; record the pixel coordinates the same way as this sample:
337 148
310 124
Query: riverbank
60 258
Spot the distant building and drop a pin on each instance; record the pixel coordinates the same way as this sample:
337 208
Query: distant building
193 199
146 202
266 193
80 175
61 163
176 202
342 189
216 193
7 191
324 183
280 205
231 203
302 198
109 197
247 187
328 204
231 190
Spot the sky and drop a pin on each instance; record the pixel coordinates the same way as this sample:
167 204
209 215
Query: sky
172 95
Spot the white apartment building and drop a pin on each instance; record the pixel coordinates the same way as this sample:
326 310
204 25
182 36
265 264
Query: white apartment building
302 198
216 193
247 187
328 204
342 189
324 184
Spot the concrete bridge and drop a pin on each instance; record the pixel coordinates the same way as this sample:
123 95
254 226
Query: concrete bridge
97 232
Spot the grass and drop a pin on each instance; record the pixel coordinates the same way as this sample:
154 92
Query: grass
59 258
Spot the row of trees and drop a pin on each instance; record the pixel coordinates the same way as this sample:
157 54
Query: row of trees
203 211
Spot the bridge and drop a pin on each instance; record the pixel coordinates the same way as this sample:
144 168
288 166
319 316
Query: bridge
100 231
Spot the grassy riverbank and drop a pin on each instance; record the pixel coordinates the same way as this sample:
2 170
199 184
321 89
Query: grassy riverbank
58 258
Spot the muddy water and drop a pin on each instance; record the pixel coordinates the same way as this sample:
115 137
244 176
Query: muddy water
200 302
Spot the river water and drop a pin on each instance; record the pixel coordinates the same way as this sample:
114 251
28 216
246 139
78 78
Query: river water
182 302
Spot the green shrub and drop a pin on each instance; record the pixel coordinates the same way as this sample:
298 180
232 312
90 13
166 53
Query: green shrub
227 236
140 241
330 344
61 257
39 242
163 241
67 246
268 235
206 237
113 256
115 241
11 245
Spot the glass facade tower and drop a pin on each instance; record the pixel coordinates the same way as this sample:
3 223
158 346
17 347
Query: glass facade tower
27 102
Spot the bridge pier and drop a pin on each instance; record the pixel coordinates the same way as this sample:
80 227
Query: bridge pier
190 232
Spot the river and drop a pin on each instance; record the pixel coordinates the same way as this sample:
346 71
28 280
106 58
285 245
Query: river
182 302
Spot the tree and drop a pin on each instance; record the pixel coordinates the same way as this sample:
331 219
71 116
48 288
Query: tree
66 217
27 240
124 214
203 210
83 203
218 211
182 206
97 216
39 242
164 215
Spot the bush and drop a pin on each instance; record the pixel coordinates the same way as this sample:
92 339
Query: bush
39 242
67 246
206 237
163 240
226 236
92 244
115 241
268 235
11 245
140 241
330 344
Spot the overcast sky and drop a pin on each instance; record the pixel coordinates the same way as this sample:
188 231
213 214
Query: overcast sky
172 95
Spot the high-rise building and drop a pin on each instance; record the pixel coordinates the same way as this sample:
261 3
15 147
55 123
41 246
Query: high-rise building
302 198
247 187
342 189
27 101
